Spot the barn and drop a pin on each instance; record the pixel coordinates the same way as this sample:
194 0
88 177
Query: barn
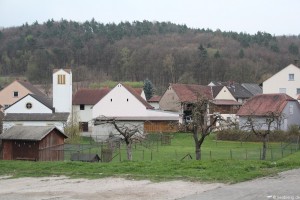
36 143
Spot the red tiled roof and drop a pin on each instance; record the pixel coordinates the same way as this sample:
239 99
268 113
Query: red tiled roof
89 96
190 93
141 99
261 105
154 99
138 90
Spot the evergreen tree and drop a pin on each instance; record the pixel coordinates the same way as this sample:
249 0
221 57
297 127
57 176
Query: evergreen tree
148 89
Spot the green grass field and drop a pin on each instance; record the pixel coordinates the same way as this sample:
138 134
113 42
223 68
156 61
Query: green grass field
166 162
181 147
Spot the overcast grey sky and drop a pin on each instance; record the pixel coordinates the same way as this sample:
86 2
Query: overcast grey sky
278 17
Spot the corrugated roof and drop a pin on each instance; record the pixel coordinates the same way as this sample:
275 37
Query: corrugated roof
190 92
36 117
35 133
262 105
141 99
89 96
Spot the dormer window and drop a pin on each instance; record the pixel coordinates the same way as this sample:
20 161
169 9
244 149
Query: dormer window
16 93
61 79
291 77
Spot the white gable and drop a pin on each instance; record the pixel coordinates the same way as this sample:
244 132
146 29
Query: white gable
28 105
285 81
119 102
225 94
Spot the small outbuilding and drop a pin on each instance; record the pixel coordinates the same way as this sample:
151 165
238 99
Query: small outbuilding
36 143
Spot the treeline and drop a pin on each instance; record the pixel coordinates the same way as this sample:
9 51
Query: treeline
160 51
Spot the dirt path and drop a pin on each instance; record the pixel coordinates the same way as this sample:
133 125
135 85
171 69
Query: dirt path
63 188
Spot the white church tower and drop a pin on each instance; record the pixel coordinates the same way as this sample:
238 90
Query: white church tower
62 90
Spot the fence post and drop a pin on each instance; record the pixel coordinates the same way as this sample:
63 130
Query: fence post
246 154
151 155
230 154
120 157
281 153
271 154
259 153
210 155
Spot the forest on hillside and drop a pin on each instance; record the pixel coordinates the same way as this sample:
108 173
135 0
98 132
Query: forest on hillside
163 52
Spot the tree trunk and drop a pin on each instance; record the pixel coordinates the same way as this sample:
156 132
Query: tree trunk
264 150
198 144
129 151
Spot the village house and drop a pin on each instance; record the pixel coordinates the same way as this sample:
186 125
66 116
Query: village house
154 102
36 143
15 91
125 105
83 102
261 108
180 98
286 81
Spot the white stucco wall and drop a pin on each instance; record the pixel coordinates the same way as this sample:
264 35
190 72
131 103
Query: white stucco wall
20 106
225 94
102 132
62 93
83 115
281 80
119 102
155 105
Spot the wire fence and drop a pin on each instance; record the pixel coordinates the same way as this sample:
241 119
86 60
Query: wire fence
169 147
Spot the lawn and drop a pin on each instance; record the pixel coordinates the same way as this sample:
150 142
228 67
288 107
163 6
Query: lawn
181 147
223 161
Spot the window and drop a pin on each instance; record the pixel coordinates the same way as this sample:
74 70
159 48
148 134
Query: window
61 79
291 77
81 106
298 90
28 105
16 93
282 90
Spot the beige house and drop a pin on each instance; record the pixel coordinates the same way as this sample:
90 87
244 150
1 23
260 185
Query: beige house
15 91
286 81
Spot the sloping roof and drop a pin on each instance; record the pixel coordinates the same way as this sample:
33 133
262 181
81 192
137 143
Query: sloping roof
36 117
262 105
190 92
253 88
216 90
89 96
66 70
31 88
35 133
141 99
42 99
154 99
226 102
238 91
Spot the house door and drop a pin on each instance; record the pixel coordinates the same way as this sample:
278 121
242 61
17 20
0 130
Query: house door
84 126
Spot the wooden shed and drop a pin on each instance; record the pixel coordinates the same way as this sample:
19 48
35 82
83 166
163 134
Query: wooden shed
37 143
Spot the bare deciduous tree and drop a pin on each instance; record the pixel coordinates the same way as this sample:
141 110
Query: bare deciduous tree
263 127
129 131
202 123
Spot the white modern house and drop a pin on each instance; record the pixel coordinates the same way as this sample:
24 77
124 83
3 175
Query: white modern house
125 105
286 81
